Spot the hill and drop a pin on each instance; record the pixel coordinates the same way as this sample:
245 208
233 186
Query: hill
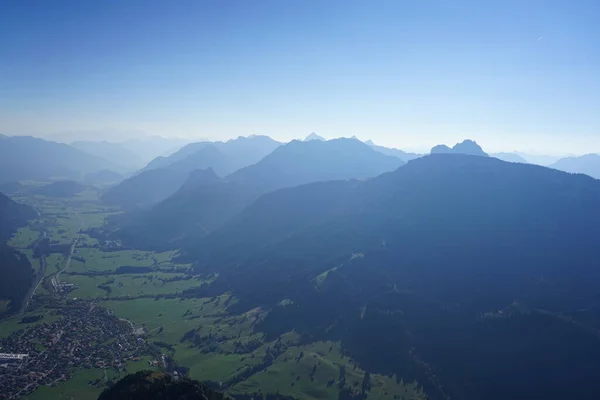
153 186
148 385
197 210
588 164
59 189
116 153
241 152
29 158
472 275
16 273
467 146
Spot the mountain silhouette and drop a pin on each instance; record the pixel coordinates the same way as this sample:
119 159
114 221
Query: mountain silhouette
467 146
196 211
154 185
241 152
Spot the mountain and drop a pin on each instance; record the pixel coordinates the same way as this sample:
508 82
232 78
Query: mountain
150 385
298 163
313 136
196 210
467 146
12 187
441 149
588 164
241 152
29 158
59 189
12 216
388 151
16 273
154 185
474 276
116 153
509 157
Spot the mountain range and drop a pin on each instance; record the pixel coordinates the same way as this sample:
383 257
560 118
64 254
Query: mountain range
241 152
116 153
29 158
588 164
464 272
163 176
204 204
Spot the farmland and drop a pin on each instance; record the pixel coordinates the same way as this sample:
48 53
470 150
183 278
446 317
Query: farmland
201 336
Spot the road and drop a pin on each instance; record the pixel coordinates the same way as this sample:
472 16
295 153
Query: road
56 278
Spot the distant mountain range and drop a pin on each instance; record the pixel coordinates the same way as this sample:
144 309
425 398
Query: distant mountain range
588 164
241 152
116 153
154 185
29 158
163 176
510 157
201 206
462 272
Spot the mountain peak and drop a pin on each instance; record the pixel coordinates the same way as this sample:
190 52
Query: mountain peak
314 136
441 149
467 146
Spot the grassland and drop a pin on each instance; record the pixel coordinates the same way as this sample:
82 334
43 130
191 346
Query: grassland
78 386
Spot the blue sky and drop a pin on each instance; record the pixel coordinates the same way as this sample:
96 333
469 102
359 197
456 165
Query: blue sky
510 74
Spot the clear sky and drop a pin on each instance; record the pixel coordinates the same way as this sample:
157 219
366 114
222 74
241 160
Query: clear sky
511 74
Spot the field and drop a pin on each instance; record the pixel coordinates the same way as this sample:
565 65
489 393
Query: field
200 334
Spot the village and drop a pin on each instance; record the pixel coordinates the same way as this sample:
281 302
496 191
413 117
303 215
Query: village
84 336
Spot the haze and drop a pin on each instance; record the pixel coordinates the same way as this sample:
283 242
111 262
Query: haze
513 75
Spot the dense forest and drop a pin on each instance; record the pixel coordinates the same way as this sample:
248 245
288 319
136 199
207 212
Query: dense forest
16 273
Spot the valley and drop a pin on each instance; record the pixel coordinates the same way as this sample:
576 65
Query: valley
147 297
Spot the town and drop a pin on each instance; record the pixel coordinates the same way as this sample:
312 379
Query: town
84 336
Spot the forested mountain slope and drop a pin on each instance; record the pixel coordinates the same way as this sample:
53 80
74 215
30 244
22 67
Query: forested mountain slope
15 270
474 276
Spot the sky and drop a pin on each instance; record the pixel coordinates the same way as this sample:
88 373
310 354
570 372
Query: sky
511 74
